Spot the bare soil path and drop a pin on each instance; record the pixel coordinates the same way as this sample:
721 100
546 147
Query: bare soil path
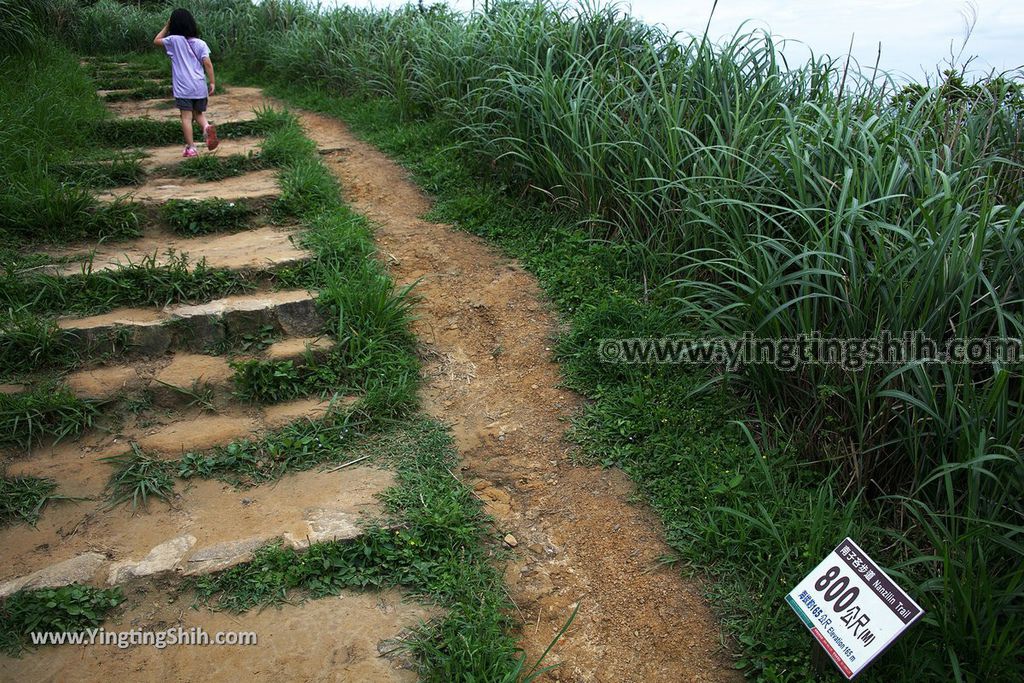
579 538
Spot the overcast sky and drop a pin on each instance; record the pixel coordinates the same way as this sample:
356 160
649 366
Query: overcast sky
916 35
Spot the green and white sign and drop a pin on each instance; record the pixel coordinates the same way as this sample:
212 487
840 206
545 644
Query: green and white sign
853 609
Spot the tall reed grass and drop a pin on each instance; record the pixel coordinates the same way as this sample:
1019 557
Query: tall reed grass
770 198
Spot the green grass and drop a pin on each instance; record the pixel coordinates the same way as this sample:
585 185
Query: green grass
43 412
300 446
47 110
70 609
143 283
29 342
203 216
210 167
22 499
117 171
267 381
138 477
753 518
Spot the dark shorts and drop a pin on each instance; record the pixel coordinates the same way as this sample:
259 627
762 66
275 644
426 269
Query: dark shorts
185 104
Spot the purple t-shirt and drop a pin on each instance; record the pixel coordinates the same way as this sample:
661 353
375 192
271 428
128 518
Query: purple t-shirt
187 73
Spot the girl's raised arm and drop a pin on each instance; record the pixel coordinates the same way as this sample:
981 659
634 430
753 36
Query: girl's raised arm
159 40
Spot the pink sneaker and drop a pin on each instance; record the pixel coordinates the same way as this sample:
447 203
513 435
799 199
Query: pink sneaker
211 137
190 152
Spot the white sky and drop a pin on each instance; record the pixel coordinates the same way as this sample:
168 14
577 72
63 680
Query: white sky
916 35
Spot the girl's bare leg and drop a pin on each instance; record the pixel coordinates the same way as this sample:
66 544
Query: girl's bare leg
186 126
201 120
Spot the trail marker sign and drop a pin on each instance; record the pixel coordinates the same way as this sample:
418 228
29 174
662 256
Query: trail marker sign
853 609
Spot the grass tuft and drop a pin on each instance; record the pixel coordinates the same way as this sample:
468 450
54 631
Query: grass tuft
43 412
70 609
22 499
205 216
137 477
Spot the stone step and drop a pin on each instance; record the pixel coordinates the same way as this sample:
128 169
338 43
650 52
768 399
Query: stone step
106 93
258 186
261 249
209 528
236 105
170 156
196 327
183 377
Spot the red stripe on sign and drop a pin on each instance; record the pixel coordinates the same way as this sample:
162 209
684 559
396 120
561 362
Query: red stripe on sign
847 671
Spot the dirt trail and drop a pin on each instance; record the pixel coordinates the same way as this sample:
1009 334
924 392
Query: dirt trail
486 334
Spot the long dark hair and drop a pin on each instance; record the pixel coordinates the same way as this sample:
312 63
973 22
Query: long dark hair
182 23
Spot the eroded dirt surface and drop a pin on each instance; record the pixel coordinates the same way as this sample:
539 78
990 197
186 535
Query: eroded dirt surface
486 334
333 639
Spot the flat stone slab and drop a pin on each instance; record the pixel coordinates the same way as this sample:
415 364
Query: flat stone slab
237 104
80 569
211 527
221 556
325 525
191 372
295 348
104 382
172 385
265 248
161 559
255 185
153 332
332 639
280 414
160 157
197 434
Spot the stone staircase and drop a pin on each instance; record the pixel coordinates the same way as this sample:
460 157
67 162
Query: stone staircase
159 360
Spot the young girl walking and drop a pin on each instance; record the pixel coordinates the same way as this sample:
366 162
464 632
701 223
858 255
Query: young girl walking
190 57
